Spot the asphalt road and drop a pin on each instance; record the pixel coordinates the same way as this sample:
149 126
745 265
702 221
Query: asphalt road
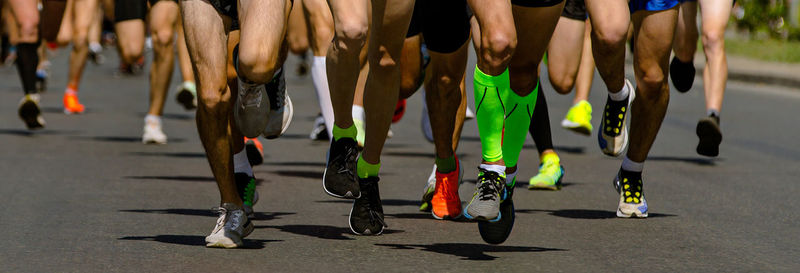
85 195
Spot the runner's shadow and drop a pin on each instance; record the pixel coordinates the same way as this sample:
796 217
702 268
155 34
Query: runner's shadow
385 202
301 174
182 178
411 154
586 213
322 232
694 160
298 164
524 184
122 139
261 216
177 155
27 133
194 240
469 251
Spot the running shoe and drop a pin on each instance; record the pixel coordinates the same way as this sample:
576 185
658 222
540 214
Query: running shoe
682 74
320 132
579 118
30 113
468 115
246 187
361 132
399 110
631 196
427 193
281 109
497 232
94 54
152 132
251 108
489 191
445 201
710 136
41 80
339 179
255 151
187 95
366 216
232 226
550 174
72 105
613 134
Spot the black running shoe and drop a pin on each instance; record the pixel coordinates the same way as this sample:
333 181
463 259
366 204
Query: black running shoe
30 113
710 136
366 216
682 74
246 187
339 179
497 232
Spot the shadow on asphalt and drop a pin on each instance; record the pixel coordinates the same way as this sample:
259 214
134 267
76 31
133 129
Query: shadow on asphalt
586 213
301 174
410 154
27 133
166 154
694 160
323 232
426 216
184 178
524 184
260 216
194 240
171 116
470 251
385 202
296 164
561 149
121 139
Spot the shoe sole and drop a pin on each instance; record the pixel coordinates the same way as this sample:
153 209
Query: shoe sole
151 141
482 218
575 127
367 232
621 214
289 107
29 113
494 233
710 138
186 99
253 155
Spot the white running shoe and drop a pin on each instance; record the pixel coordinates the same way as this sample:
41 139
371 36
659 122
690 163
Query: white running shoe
232 226
613 134
469 114
281 108
152 131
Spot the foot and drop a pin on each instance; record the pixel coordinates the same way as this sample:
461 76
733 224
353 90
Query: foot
613 135
320 132
498 232
485 203
366 216
232 226
281 108
339 179
682 74
631 196
246 187
187 96
579 118
255 151
152 132
550 174
72 105
710 136
445 201
30 113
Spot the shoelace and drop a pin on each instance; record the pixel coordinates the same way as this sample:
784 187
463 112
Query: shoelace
487 186
276 93
223 215
349 158
250 98
373 202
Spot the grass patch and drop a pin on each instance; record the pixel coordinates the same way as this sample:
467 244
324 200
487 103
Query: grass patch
766 50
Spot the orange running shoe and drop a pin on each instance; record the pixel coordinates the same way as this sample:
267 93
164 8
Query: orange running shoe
445 202
71 104
255 151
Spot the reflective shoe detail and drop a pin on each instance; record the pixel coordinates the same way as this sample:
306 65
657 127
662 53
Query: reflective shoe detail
710 136
153 133
631 195
445 201
427 193
319 132
187 95
498 232
281 107
613 134
246 187
251 106
550 174
339 179
579 118
682 74
232 226
255 151
30 113
71 104
485 203
366 216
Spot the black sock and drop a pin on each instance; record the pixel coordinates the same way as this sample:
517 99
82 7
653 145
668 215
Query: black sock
27 60
540 124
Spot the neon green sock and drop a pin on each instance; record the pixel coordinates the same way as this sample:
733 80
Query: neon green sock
365 169
519 111
338 133
446 165
489 111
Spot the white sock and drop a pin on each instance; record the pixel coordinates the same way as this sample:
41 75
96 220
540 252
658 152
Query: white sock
632 166
358 113
494 168
241 164
95 47
152 119
319 77
510 178
621 95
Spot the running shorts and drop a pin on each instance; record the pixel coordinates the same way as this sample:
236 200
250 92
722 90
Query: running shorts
131 9
651 5
444 24
575 9
51 16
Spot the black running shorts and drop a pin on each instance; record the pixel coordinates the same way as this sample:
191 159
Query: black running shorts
575 9
444 24
132 9
536 3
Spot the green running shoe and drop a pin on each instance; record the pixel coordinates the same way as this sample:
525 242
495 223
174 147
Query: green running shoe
550 174
579 118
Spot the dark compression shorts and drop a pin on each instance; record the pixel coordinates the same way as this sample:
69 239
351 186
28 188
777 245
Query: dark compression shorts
444 24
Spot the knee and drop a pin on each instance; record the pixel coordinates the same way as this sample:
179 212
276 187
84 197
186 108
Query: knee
257 64
561 83
524 78
214 100
447 84
653 86
162 38
351 35
498 46
80 39
29 31
408 85
610 37
713 41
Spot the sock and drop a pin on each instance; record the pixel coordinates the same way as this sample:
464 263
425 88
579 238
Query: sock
621 95
71 90
540 124
95 47
518 117
632 166
152 119
446 165
489 112
358 112
359 121
27 60
510 179
712 112
494 168
347 132
365 169
319 77
241 164
189 85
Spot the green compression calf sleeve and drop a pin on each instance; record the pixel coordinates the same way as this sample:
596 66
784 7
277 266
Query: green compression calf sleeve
519 111
489 112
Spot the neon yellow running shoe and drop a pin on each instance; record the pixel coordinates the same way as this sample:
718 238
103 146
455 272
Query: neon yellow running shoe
550 174
579 118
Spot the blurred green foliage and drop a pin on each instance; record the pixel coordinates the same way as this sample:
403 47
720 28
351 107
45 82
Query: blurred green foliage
765 17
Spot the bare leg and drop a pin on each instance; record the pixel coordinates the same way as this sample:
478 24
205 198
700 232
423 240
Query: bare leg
163 17
351 25
583 84
130 39
84 13
685 42
410 66
444 97
297 30
564 54
610 23
715 75
185 63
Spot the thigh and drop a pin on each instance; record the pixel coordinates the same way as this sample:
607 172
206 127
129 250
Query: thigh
534 28
714 14
263 25
206 39
349 14
565 48
390 20
24 10
653 31
84 12
163 18
609 16
492 16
